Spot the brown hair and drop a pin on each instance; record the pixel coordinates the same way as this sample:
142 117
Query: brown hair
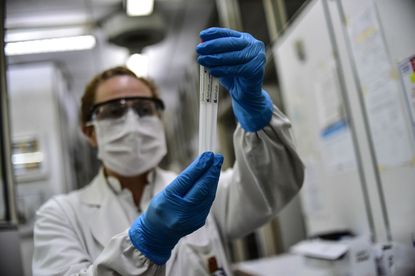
88 99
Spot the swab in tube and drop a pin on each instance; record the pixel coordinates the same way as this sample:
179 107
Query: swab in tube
214 114
209 98
202 112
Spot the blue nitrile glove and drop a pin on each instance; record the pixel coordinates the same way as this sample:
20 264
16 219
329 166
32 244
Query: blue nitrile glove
180 209
238 60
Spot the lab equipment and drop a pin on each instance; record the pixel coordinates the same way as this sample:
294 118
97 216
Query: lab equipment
208 111
181 208
350 255
238 60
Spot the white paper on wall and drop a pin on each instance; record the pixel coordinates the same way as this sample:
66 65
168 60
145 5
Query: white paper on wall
337 148
336 144
381 90
407 70
312 195
327 91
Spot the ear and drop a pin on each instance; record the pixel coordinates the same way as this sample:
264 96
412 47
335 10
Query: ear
89 132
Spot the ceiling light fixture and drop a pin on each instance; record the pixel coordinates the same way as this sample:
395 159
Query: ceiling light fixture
139 7
61 44
138 63
16 35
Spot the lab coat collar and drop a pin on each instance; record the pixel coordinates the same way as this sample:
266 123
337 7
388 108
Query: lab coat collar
108 217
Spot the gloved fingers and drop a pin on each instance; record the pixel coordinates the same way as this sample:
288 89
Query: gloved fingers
256 65
230 58
205 187
185 180
256 48
215 32
228 83
221 45
247 70
229 71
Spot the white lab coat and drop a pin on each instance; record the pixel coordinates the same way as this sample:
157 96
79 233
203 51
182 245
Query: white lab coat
86 231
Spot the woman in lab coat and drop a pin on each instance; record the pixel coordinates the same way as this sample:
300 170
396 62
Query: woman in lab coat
137 219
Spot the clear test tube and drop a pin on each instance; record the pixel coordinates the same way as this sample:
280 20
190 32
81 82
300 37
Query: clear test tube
202 112
209 98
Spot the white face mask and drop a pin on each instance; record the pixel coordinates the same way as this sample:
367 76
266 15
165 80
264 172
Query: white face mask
131 145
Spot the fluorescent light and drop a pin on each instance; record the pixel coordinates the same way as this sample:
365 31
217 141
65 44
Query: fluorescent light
36 34
27 158
61 44
138 64
139 7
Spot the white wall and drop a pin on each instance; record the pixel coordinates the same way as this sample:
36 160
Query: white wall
393 136
332 193
36 91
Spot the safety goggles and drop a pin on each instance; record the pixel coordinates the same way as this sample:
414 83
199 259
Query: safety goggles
114 109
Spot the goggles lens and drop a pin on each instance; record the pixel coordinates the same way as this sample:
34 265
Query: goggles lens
114 109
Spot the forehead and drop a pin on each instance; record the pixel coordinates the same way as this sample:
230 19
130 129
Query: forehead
121 87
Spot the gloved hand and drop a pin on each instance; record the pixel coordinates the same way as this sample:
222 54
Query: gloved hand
180 209
238 60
